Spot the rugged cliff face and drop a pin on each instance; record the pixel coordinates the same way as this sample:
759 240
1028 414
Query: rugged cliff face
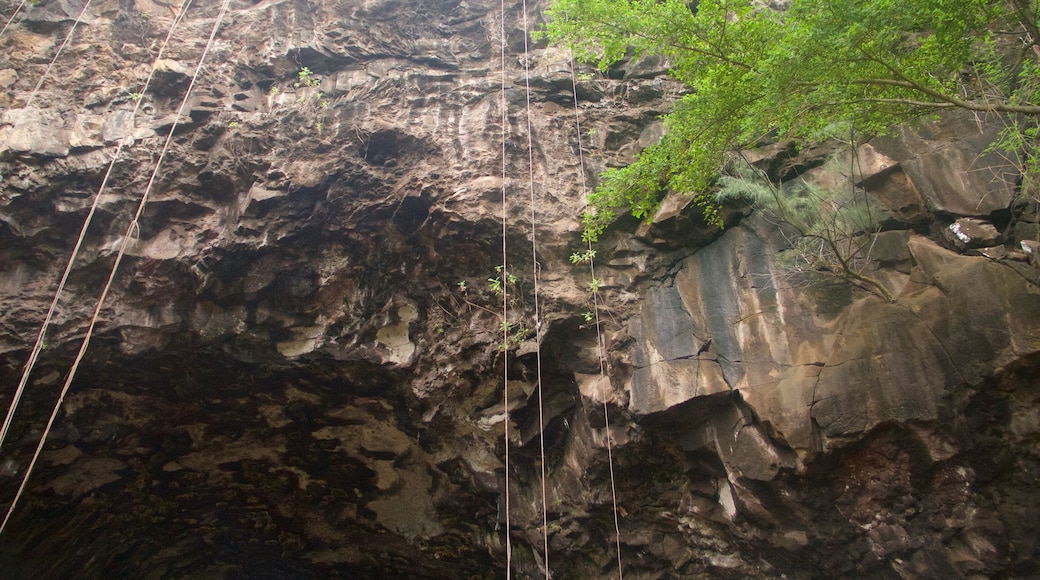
299 369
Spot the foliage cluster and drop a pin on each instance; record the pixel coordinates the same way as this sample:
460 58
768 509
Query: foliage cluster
503 281
306 78
802 72
315 106
502 285
318 105
587 257
829 231
132 26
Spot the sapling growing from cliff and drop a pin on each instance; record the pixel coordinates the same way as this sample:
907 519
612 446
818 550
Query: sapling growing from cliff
306 78
828 231
584 257
757 73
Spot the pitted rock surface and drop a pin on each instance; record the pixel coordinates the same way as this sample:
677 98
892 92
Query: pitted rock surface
298 371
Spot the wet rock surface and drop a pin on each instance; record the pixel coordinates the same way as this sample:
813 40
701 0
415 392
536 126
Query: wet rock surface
299 369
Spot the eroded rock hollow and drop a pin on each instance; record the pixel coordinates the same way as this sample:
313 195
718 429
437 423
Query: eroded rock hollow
299 369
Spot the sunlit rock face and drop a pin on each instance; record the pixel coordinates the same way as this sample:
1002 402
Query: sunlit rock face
299 370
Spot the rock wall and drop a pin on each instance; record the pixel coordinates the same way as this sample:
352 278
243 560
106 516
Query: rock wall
299 370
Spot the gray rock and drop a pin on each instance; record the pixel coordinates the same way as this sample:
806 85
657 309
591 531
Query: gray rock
973 233
34 132
8 77
949 167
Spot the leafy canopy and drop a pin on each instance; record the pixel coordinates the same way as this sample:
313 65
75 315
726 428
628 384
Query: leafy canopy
801 72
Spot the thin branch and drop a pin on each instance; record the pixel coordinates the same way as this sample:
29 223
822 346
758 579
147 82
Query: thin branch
1027 18
849 273
907 102
674 45
950 100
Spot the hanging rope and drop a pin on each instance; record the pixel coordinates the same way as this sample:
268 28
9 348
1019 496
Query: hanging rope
38 345
601 349
115 266
13 14
46 72
505 302
537 312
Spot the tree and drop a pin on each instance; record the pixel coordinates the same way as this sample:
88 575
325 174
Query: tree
827 231
802 72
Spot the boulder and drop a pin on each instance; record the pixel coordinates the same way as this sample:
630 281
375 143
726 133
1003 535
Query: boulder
33 131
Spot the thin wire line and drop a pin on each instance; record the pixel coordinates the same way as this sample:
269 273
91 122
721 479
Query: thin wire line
537 312
505 304
68 37
13 14
115 266
600 345
38 346
47 71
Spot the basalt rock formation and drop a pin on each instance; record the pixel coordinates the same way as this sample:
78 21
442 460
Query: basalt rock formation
299 369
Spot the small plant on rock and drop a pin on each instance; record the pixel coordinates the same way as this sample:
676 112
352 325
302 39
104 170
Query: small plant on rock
306 78
495 285
503 281
515 332
585 257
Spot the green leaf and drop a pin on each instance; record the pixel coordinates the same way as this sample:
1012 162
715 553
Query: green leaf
804 73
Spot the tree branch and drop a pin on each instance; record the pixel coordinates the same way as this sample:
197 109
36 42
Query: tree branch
907 102
673 45
1023 11
950 101
849 273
